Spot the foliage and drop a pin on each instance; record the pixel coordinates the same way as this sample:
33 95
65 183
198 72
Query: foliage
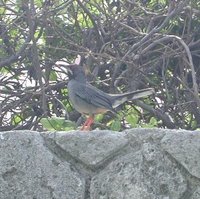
57 123
124 45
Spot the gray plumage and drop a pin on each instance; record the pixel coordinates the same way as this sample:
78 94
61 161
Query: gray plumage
87 99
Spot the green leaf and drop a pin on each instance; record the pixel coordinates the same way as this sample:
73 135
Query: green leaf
57 123
2 11
5 71
16 119
115 125
38 3
53 76
132 120
152 123
99 117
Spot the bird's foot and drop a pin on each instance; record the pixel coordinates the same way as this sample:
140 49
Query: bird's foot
85 128
87 125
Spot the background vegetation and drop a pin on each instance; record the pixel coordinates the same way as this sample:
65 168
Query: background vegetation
123 44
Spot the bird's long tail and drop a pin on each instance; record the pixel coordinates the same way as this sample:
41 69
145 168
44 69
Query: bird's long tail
121 98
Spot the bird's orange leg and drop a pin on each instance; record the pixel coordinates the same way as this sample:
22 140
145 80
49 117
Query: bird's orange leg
87 124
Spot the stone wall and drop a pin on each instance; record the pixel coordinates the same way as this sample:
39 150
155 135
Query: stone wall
136 164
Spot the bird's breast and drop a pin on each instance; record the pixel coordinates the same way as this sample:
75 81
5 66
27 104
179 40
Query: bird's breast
79 103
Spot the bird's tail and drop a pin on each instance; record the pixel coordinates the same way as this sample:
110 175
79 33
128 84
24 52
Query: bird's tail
121 98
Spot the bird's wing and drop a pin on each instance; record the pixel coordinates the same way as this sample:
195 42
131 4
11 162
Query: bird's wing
94 96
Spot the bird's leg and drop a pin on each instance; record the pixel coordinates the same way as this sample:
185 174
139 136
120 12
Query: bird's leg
88 123
85 124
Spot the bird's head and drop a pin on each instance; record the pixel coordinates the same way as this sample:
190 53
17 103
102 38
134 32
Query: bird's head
76 72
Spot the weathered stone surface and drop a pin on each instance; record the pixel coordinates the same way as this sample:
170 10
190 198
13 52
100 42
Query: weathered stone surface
142 174
92 148
196 194
184 146
29 171
135 164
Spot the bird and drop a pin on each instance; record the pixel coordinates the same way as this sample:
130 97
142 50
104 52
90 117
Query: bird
89 100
